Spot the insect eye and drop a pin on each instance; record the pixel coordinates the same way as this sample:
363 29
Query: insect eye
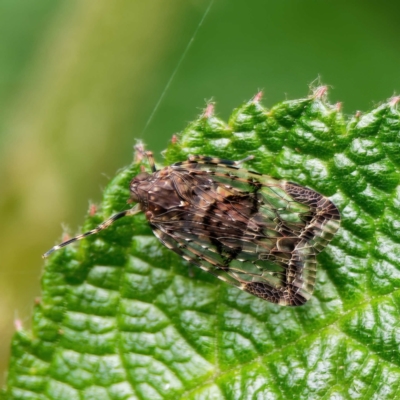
141 177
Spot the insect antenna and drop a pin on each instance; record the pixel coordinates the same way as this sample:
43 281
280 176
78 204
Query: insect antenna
102 226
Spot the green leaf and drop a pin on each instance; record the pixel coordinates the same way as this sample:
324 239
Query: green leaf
122 317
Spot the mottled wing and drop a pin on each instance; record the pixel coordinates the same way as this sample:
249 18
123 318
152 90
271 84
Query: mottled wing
252 231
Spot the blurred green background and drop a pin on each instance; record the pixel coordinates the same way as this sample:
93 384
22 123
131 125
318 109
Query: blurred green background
79 80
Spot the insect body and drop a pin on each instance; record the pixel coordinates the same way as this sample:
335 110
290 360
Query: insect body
257 233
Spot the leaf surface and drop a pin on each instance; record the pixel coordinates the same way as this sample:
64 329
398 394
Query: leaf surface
122 317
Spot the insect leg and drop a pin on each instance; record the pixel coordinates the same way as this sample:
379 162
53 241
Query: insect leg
216 160
103 225
248 158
